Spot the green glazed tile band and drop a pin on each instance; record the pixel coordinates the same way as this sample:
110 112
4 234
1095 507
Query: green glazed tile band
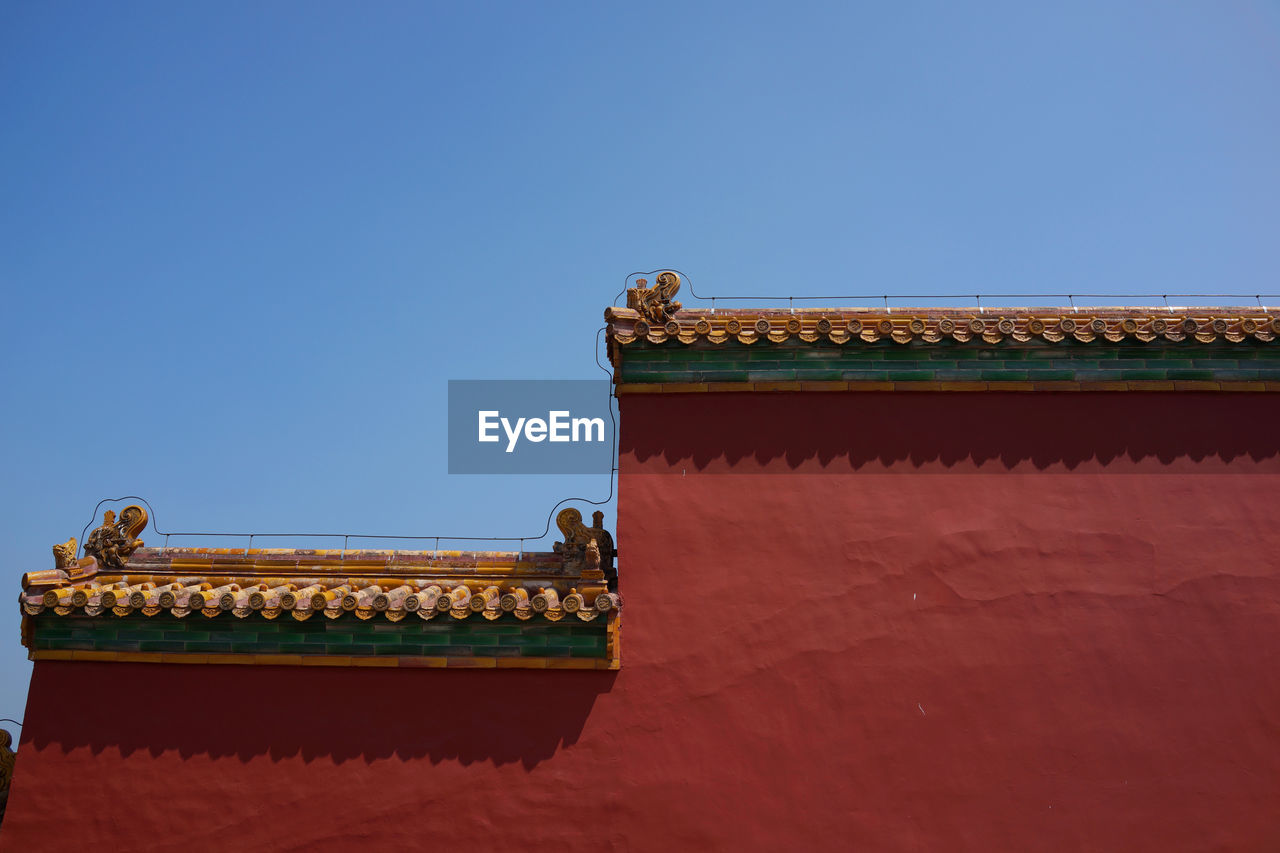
227 634
886 361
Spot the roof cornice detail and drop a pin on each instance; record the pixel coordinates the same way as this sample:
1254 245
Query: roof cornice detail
854 326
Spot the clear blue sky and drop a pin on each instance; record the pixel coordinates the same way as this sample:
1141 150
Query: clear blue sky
243 246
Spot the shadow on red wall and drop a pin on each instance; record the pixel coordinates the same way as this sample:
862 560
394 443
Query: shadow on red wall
954 431
523 716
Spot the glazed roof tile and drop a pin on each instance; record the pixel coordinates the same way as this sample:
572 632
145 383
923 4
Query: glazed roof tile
119 575
335 598
652 315
935 325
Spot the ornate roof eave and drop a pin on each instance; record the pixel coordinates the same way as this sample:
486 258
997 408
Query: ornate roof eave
118 575
852 326
334 597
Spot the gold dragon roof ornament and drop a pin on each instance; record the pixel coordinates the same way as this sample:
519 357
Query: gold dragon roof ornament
589 549
113 542
655 303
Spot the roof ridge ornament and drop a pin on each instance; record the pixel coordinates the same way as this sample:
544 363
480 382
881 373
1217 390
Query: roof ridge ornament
655 303
589 550
64 555
113 542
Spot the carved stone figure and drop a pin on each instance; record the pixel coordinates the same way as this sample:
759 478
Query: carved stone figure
113 542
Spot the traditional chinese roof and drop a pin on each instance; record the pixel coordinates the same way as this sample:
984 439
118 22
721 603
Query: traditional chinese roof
937 325
423 608
335 584
656 345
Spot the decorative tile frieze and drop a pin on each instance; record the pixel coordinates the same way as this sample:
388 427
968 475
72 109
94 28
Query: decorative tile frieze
530 644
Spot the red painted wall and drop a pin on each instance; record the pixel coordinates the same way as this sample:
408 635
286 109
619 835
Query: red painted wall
880 622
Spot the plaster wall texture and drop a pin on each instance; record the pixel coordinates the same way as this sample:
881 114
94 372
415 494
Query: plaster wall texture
852 621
